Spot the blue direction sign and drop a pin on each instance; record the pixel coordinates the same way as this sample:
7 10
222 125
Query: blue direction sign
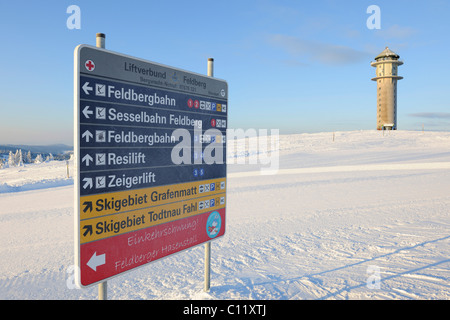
132 179
140 125
99 159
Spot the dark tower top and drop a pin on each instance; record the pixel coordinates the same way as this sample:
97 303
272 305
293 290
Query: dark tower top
387 54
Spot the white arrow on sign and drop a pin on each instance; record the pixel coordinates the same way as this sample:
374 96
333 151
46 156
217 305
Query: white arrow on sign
86 88
96 261
87 135
87 112
87 158
88 183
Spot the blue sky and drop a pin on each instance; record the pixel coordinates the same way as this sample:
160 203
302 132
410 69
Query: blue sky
297 66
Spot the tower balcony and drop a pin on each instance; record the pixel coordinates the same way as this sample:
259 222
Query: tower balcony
391 76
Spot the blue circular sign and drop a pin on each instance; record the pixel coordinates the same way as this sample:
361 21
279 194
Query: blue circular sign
213 224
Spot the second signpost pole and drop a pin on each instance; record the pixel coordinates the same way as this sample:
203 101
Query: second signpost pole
208 244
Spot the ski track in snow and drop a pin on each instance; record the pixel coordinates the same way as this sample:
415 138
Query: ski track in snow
316 230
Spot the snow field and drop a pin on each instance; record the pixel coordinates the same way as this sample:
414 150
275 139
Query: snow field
362 217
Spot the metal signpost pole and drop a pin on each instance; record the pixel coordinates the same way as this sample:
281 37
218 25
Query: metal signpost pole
210 73
102 286
100 40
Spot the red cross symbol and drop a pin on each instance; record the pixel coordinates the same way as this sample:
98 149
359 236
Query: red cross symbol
90 65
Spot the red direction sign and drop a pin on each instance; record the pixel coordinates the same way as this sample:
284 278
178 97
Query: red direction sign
130 250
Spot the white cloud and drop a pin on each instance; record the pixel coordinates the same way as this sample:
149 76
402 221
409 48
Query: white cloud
325 53
396 32
431 115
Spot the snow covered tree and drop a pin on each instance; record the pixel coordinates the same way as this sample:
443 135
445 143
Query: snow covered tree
18 159
11 160
28 157
38 159
49 158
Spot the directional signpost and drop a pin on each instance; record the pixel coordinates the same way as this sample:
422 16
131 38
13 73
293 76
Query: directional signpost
151 169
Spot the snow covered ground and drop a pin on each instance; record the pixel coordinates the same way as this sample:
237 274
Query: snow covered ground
365 216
